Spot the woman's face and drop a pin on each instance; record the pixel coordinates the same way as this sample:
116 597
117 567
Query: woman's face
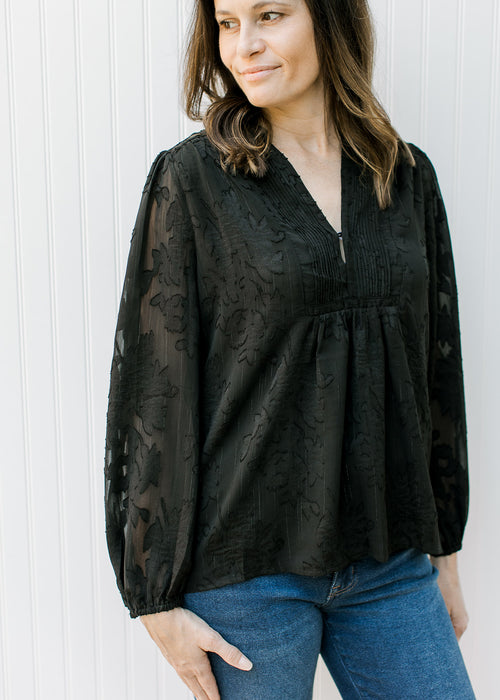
269 48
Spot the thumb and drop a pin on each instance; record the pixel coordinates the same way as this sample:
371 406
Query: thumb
231 654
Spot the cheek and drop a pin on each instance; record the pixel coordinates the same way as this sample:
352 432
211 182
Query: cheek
304 61
226 53
313 66
311 54
306 66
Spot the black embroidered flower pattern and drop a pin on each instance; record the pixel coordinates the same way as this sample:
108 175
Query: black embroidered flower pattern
273 408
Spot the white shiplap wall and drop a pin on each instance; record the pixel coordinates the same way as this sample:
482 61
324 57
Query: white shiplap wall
88 95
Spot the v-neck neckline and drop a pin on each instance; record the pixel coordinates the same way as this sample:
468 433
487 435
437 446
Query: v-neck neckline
306 193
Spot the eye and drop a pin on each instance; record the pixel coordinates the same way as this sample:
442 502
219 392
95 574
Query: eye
270 16
227 24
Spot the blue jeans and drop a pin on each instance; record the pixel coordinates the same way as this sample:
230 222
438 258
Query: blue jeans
382 629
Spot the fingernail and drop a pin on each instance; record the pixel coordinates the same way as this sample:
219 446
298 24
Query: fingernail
245 664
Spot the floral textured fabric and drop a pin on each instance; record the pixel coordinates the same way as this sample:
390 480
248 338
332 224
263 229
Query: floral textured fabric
273 408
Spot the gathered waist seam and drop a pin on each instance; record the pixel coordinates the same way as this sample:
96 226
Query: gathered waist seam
347 303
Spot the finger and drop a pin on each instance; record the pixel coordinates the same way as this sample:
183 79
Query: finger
231 654
197 669
459 629
206 678
460 623
198 690
209 685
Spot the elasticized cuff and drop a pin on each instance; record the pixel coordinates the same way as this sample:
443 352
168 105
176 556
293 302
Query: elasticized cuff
158 607
448 548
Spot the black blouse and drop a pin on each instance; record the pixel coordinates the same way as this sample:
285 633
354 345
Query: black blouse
273 408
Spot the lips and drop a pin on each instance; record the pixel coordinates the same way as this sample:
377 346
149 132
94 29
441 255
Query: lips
257 69
257 72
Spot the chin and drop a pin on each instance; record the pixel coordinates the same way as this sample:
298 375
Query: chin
263 104
262 101
259 97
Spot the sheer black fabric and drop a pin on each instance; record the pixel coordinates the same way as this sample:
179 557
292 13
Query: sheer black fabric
273 408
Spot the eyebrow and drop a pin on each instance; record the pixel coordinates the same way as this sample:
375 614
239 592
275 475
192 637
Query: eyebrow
257 6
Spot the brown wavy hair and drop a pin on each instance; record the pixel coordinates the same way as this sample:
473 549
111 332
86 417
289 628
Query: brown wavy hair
241 132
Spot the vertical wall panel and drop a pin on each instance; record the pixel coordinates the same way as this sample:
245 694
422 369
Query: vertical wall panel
17 629
383 18
482 233
89 93
407 86
444 49
36 489
475 148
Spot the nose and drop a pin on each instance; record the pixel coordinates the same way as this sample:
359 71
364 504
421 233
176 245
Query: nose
250 40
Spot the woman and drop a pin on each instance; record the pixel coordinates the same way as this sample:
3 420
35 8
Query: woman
286 437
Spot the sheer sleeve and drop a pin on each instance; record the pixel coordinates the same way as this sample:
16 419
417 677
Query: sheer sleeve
449 461
151 460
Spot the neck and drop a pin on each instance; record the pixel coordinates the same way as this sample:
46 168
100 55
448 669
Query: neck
306 132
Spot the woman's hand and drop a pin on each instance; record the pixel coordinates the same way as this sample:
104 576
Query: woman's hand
184 638
449 584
